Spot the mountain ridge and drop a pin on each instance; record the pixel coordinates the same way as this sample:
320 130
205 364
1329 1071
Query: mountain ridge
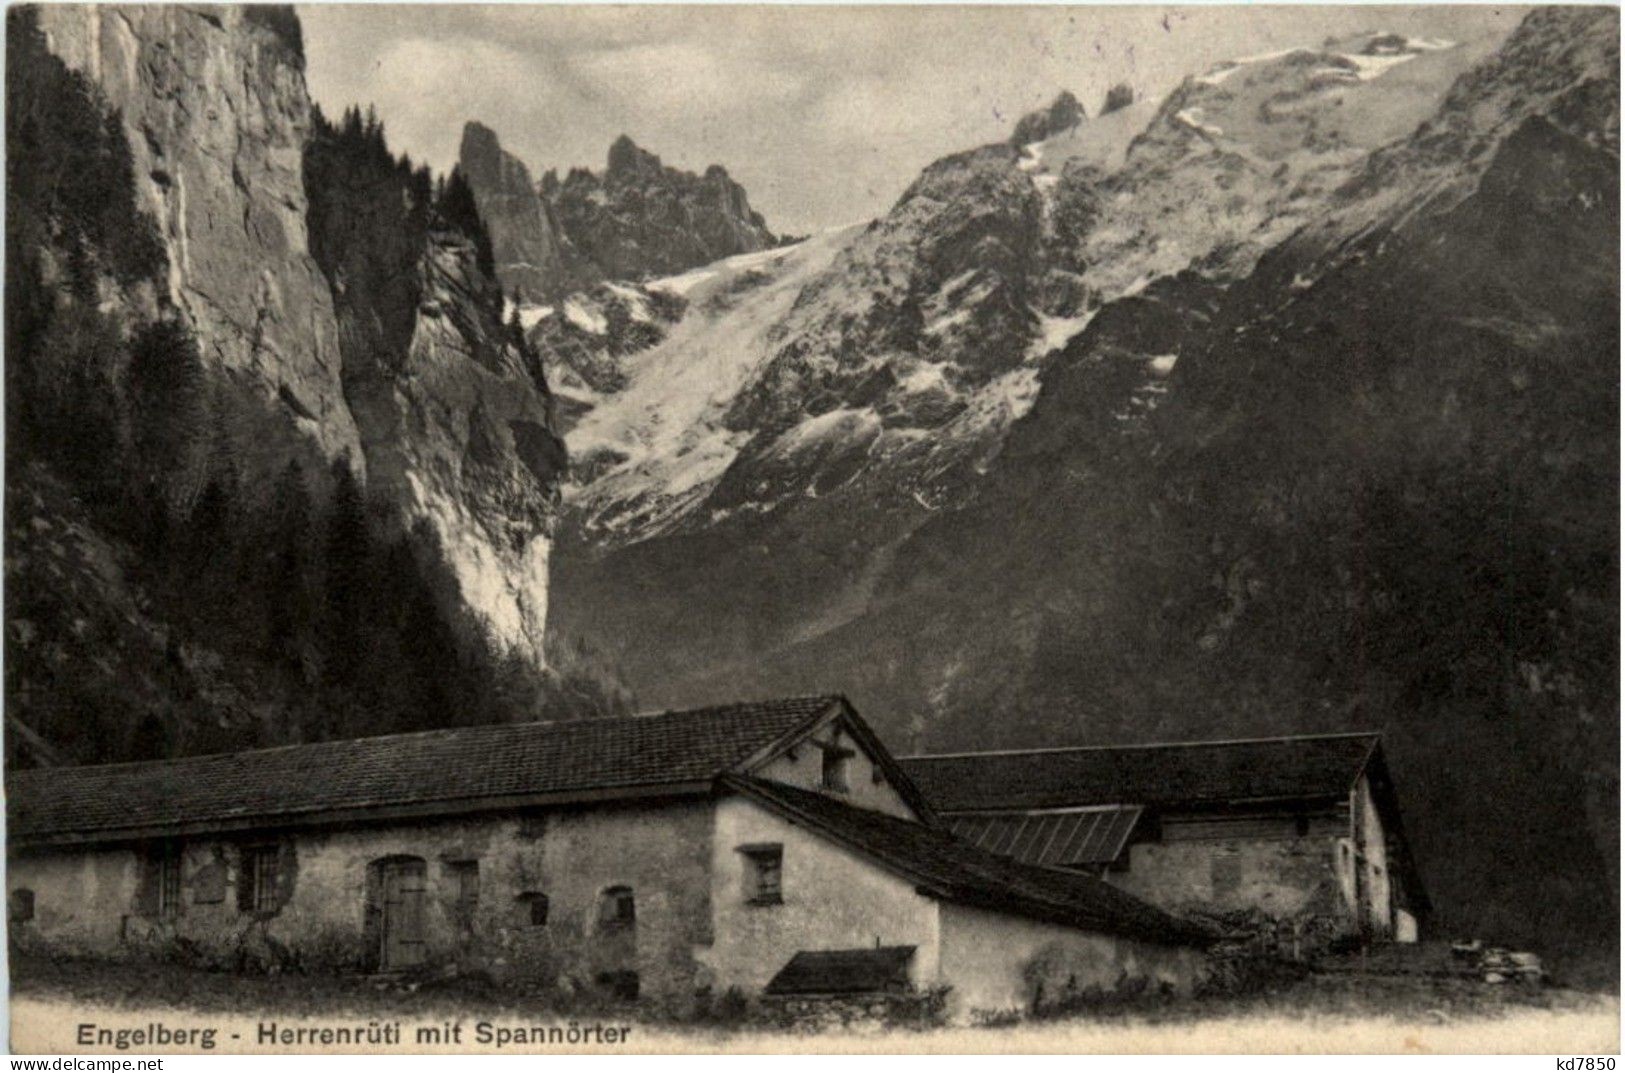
1210 515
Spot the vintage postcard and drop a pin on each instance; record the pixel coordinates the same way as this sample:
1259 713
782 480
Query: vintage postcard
538 529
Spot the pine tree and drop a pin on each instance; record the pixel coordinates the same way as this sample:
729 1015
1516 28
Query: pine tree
348 557
287 577
457 209
167 404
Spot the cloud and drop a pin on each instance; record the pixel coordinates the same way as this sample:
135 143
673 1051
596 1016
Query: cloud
825 114
671 78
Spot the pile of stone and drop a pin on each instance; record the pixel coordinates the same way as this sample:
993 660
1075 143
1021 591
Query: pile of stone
1470 959
862 1012
1496 965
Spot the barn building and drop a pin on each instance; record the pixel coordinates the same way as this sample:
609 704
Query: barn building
1301 835
770 847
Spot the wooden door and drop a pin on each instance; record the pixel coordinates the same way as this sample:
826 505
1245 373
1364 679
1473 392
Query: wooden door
403 891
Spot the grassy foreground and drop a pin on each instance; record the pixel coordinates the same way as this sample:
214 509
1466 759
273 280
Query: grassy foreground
50 1000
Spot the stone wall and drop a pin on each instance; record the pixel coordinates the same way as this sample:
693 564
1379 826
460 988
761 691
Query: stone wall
82 898
696 931
1295 884
818 1013
104 901
1283 878
997 964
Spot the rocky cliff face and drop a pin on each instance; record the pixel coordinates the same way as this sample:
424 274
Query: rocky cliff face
454 414
391 353
214 108
460 436
640 219
535 260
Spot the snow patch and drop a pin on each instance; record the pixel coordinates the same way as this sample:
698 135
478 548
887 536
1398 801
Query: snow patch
1162 364
947 321
834 426
926 376
1370 67
1054 333
667 422
1217 74
1192 117
999 402
637 304
529 315
1032 156
681 285
588 320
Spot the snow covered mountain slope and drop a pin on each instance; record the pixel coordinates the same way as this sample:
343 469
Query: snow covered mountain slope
1236 159
651 440
901 353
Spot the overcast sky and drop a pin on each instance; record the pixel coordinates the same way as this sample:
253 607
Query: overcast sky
824 114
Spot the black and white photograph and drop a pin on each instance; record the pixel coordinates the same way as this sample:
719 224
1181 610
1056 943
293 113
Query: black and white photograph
537 529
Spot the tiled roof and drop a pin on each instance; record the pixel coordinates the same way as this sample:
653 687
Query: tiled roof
956 871
844 972
1060 837
1187 773
435 768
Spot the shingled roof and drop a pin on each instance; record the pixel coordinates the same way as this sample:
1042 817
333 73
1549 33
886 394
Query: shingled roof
1257 769
437 771
844 972
948 868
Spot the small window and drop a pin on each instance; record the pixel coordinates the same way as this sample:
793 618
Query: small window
621 984
257 882
465 877
534 905
764 869
836 762
618 910
20 906
169 881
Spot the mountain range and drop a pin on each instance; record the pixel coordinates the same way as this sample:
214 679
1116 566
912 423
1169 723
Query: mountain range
636 219
1285 402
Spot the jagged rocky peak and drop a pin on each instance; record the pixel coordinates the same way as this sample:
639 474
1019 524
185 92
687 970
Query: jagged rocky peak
628 159
1063 114
533 258
481 154
642 219
1118 97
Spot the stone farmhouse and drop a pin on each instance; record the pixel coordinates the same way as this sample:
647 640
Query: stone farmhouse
1300 834
771 847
